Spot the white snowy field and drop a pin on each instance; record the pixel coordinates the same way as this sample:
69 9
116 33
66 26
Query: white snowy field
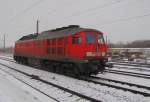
12 90
7 55
126 78
140 70
104 93
58 94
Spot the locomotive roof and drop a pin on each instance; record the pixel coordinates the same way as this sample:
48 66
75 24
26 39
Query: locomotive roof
30 36
56 33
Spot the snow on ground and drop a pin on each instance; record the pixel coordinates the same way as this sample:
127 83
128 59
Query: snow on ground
139 62
104 93
125 69
148 60
7 55
125 78
132 67
143 61
12 90
54 92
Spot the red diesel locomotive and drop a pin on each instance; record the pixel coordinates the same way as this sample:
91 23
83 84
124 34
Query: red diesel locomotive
71 49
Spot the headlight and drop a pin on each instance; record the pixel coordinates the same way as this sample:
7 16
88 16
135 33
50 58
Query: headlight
90 54
103 53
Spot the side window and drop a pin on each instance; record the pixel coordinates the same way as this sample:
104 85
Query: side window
48 41
60 41
76 40
53 42
90 37
66 40
101 39
37 43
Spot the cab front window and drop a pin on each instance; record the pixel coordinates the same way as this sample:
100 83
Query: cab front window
76 40
90 38
101 39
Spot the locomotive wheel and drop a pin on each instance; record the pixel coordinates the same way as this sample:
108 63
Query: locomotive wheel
76 70
58 69
18 60
101 68
44 65
22 61
25 61
50 67
64 69
53 69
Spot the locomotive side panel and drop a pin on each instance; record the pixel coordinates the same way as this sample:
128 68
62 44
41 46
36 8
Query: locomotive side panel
76 46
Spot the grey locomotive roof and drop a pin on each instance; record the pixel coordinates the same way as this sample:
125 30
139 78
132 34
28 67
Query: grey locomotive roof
30 36
56 33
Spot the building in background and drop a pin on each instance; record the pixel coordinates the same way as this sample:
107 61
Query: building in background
129 53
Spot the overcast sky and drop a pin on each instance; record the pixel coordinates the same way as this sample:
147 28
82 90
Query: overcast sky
120 20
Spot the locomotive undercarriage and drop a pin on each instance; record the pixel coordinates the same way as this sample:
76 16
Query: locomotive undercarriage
76 68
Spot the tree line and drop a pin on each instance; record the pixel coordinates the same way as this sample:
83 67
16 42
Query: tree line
134 44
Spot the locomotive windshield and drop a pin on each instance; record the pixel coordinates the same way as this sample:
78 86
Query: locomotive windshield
101 39
76 40
90 37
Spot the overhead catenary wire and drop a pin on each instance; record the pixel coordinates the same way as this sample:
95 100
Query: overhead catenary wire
30 7
122 20
75 14
107 5
25 10
15 17
93 9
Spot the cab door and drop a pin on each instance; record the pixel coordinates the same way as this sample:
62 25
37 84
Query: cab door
60 47
90 40
77 49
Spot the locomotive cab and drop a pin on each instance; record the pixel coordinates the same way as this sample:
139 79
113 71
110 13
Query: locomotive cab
90 49
95 45
95 50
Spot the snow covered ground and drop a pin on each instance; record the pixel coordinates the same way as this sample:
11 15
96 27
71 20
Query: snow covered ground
104 93
134 62
125 78
53 92
12 90
7 55
131 69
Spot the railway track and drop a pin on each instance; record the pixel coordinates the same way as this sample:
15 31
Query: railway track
31 86
132 64
97 80
121 82
102 81
146 76
133 68
35 77
7 59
